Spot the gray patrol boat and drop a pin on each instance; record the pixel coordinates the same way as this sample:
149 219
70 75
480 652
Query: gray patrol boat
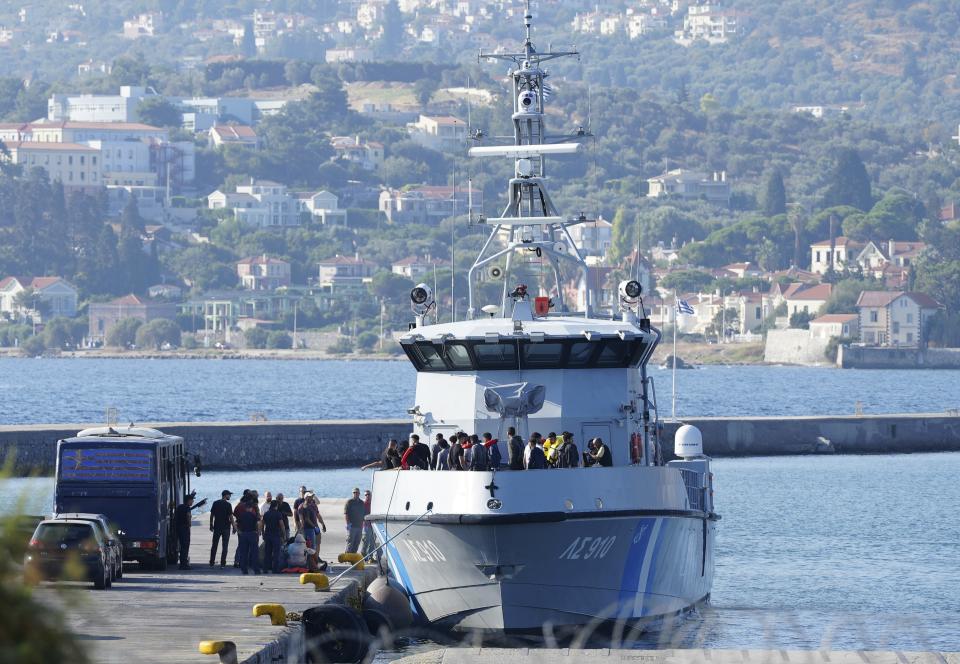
512 551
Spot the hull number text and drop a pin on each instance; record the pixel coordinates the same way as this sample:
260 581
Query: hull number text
588 548
424 551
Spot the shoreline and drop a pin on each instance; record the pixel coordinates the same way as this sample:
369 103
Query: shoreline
696 354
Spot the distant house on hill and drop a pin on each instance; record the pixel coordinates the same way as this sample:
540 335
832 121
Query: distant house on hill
839 253
366 154
808 298
691 184
344 271
263 273
234 134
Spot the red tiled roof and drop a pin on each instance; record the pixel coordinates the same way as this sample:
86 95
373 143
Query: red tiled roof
43 282
808 292
234 132
43 145
345 260
262 260
884 298
130 299
6 281
835 318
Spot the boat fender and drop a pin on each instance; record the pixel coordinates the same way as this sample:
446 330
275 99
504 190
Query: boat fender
688 442
334 633
378 623
635 445
391 600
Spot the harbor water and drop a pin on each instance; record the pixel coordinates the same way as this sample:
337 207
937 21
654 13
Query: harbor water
46 390
834 552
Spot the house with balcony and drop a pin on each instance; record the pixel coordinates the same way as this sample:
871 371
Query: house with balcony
368 155
263 273
342 272
234 134
416 268
324 207
427 204
682 183
444 133
260 204
892 318
593 237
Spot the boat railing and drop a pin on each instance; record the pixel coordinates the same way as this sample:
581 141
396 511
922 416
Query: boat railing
696 489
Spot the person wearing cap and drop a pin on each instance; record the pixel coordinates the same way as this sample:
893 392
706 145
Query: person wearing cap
222 524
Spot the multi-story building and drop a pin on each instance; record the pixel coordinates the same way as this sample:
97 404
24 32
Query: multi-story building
324 207
892 318
708 22
261 203
415 267
144 25
593 237
691 184
77 167
838 254
344 272
366 154
441 132
98 108
49 297
427 204
263 273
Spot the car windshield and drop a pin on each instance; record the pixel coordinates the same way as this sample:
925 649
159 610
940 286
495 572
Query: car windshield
64 533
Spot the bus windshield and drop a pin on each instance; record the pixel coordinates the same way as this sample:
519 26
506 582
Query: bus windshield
106 464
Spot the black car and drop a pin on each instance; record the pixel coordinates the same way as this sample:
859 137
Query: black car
107 533
58 545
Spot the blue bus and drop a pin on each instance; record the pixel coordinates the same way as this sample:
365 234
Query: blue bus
135 476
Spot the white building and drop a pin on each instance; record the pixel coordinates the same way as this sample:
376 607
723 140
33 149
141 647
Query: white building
427 204
366 154
234 134
441 132
349 54
344 271
98 108
263 273
417 267
52 295
708 22
593 237
324 207
841 252
261 203
75 166
691 184
835 325
893 318
144 25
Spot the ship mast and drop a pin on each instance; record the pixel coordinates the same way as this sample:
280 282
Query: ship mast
530 221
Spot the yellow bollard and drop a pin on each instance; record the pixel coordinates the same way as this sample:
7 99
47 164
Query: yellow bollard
278 614
227 650
350 558
319 580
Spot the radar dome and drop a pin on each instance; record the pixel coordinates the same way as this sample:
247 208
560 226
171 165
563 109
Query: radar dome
688 442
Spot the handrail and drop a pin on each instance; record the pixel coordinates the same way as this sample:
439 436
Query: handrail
387 541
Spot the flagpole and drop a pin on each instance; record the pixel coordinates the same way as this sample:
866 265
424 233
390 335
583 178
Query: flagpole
676 318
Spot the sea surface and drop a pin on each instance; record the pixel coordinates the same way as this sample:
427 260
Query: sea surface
48 390
841 552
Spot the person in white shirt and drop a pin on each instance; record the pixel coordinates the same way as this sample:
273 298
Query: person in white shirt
265 507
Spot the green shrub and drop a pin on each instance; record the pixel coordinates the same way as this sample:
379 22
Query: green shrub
279 339
341 346
255 337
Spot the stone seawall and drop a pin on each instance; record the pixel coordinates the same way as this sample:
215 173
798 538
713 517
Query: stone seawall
870 357
330 444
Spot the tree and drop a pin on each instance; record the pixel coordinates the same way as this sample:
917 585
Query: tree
774 198
686 281
845 293
124 333
896 216
424 90
279 339
851 183
389 286
255 337
367 340
157 333
248 43
393 25
621 243
801 319
62 333
159 112
342 346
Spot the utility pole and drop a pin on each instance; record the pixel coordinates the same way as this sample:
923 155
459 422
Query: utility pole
381 324
295 306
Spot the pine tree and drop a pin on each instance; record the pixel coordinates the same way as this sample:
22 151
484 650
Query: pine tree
774 200
851 184
621 243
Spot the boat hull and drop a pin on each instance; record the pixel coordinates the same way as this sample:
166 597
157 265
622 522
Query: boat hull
517 577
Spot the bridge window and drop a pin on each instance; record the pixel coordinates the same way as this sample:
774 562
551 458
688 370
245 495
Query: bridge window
496 356
474 355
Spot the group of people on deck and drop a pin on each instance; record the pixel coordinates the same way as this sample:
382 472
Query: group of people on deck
464 451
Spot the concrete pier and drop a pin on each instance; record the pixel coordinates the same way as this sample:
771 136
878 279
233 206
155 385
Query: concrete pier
163 616
609 656
342 443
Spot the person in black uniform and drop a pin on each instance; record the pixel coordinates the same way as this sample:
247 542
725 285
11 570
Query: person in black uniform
181 521
221 525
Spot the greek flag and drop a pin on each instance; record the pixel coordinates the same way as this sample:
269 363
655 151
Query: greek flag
683 307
